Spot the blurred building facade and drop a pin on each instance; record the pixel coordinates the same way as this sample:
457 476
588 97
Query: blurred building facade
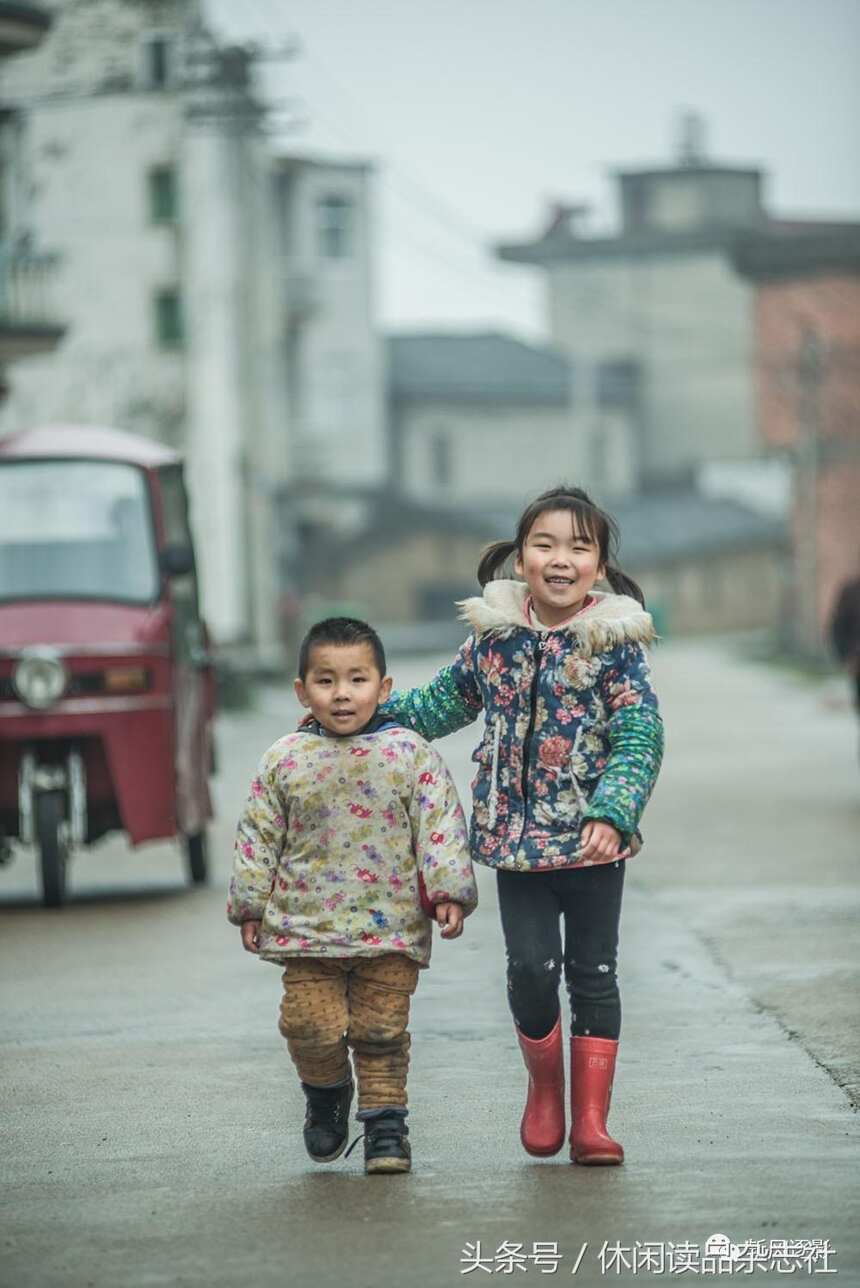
656 320
219 296
705 563
150 181
807 314
659 324
334 351
460 410
29 323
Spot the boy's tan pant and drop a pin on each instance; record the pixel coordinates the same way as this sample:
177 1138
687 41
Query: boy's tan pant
332 1003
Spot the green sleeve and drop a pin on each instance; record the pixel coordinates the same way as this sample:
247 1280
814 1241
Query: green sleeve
449 702
636 741
635 732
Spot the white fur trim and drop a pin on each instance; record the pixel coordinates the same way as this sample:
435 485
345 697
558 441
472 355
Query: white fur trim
610 620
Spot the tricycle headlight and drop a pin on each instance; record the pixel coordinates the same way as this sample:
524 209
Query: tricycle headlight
39 679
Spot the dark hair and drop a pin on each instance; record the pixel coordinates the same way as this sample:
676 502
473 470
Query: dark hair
341 631
590 521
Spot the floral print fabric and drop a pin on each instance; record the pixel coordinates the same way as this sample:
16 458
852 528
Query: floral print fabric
332 840
570 735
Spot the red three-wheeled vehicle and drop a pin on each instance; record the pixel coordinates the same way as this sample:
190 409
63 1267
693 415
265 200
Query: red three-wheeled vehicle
106 674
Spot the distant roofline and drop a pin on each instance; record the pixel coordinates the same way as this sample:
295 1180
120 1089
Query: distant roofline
562 246
479 333
298 161
670 171
739 527
513 372
622 246
798 254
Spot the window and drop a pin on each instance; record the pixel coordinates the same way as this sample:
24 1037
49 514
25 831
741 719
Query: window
335 218
618 382
440 459
157 62
76 530
169 330
163 200
177 532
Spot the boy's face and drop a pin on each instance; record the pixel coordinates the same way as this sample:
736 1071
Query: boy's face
342 687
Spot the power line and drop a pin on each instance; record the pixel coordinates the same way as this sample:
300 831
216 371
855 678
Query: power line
442 211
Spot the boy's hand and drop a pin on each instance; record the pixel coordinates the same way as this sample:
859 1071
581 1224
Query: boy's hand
449 918
599 841
251 936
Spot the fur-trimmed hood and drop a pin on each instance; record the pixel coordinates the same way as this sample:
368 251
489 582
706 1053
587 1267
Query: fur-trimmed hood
610 620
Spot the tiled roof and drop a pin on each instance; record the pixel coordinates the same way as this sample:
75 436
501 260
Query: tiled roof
674 525
486 367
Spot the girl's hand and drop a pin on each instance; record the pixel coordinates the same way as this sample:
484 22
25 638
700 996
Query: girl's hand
449 918
599 841
251 936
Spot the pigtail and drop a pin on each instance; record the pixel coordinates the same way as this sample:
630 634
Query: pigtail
587 518
624 585
492 559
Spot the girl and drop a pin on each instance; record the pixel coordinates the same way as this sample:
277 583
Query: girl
571 750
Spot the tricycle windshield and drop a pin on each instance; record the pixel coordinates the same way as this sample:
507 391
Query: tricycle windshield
76 530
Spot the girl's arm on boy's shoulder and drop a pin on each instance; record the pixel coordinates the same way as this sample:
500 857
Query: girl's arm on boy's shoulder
260 839
450 701
440 837
635 731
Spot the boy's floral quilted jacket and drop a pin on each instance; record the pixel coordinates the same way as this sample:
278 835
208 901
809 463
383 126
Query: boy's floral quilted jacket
333 837
572 728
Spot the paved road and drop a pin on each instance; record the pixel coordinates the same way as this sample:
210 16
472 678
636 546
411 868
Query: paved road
152 1120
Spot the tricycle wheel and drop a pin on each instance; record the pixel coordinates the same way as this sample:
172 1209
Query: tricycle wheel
52 833
197 857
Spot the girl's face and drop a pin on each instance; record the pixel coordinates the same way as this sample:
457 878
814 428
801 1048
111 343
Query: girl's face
559 564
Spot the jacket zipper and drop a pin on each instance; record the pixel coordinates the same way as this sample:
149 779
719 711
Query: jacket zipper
575 783
527 743
493 799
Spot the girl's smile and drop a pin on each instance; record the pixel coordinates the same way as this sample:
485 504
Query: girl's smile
559 565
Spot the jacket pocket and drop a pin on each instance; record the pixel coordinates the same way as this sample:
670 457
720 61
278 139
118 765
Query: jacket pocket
570 782
485 785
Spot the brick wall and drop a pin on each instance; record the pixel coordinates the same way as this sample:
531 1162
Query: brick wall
818 420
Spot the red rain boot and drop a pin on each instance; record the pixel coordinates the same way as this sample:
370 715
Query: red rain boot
542 1127
592 1067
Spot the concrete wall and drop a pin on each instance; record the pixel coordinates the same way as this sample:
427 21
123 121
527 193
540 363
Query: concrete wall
336 359
111 262
740 590
391 582
504 454
687 319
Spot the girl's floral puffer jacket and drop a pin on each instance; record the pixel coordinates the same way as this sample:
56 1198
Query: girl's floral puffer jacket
572 728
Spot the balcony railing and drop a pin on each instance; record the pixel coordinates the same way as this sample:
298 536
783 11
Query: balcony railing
28 323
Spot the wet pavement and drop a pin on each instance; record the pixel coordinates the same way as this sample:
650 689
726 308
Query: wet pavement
152 1121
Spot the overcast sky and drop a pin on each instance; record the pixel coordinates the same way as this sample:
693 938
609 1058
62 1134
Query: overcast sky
479 113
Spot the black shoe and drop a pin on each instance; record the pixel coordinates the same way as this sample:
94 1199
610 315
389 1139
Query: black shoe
327 1121
386 1148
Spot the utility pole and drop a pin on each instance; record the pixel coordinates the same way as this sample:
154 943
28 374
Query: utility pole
234 420
810 369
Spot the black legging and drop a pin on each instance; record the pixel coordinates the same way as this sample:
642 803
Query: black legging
531 904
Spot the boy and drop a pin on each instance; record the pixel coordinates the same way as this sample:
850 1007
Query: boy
352 822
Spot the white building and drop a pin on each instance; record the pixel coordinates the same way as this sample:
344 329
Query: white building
29 323
657 320
334 353
150 181
479 420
